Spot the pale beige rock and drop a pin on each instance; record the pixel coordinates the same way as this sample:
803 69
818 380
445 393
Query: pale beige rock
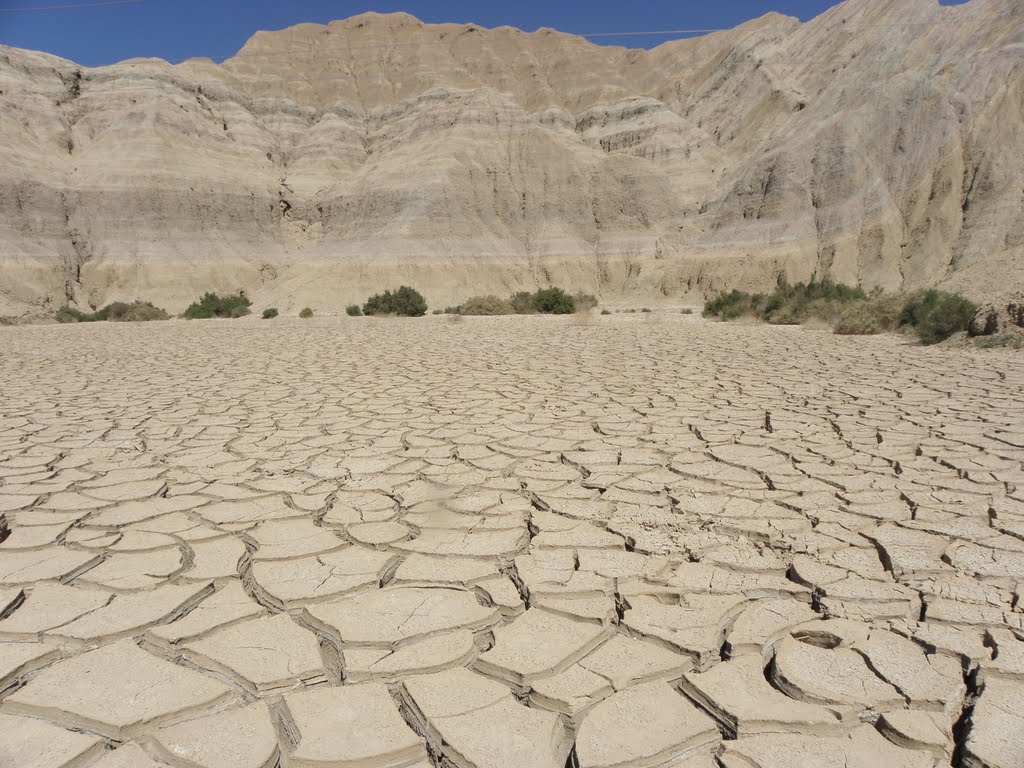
830 676
18 659
538 644
133 571
215 559
391 615
265 654
863 747
29 566
996 734
648 725
131 613
116 690
353 725
237 738
49 606
307 579
417 656
286 539
127 756
738 695
473 721
227 605
29 743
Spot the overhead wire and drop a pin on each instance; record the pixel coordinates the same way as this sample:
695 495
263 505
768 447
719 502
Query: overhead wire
71 6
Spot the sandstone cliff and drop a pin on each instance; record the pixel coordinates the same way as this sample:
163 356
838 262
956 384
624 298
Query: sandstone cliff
881 143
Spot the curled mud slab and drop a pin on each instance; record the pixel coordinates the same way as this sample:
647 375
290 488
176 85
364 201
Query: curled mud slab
634 542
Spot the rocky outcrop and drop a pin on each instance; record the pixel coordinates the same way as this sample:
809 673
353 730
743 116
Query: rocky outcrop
880 143
997 318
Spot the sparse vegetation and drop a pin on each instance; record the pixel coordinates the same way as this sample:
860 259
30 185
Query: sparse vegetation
878 314
353 310
686 311
936 315
1000 341
269 313
117 312
584 302
306 313
522 303
485 305
553 301
645 310
606 311
933 315
212 305
405 302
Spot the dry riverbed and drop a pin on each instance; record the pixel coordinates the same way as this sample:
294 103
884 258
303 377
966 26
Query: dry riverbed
636 540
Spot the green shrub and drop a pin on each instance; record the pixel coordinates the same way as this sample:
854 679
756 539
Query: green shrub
728 306
405 302
875 315
553 301
270 313
1000 341
936 315
306 313
212 305
72 315
118 312
522 303
584 301
353 310
437 312
485 305
457 309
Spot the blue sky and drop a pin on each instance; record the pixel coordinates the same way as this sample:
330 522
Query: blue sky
179 29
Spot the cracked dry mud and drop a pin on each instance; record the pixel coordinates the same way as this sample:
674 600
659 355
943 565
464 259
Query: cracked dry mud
505 543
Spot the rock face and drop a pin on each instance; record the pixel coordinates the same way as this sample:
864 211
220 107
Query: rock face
881 143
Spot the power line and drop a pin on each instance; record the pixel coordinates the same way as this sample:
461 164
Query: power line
71 6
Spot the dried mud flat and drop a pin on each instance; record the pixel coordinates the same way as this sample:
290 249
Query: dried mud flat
504 543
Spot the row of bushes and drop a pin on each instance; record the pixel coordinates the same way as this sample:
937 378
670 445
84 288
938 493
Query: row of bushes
546 301
118 312
933 315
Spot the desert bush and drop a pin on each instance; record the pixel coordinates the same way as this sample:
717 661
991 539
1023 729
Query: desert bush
584 301
1000 341
72 315
306 313
212 305
936 315
405 302
270 313
118 312
787 304
606 311
450 310
522 303
486 305
729 306
686 311
879 314
353 310
645 310
553 301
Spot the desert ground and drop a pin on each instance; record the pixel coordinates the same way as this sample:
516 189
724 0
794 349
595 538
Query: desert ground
518 542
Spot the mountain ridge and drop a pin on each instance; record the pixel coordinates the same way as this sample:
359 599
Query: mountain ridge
880 143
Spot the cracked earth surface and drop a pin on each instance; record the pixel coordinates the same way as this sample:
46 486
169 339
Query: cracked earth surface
504 543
